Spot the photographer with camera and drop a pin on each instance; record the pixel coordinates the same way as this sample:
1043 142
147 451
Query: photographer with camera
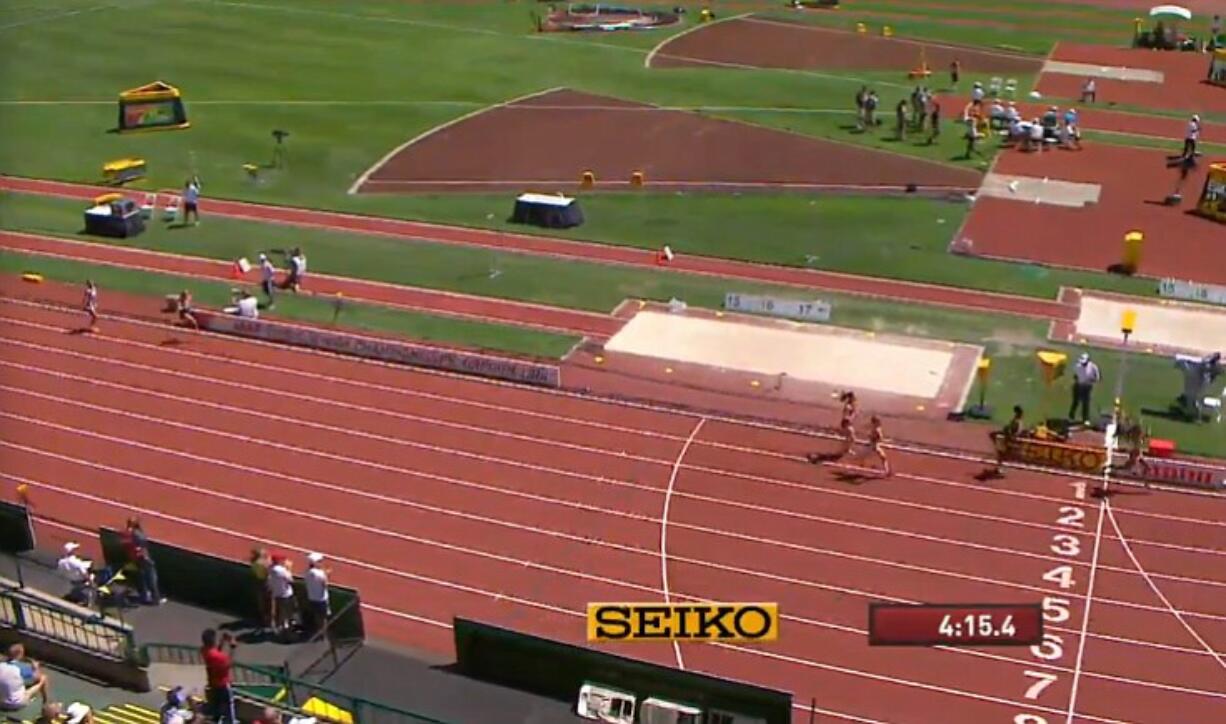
219 696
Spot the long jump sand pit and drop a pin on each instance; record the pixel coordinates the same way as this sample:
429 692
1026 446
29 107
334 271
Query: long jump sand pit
1162 326
816 358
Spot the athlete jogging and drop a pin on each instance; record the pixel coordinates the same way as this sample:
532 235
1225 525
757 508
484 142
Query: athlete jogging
876 443
183 305
90 304
1011 432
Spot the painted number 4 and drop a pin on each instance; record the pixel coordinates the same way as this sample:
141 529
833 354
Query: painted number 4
1062 576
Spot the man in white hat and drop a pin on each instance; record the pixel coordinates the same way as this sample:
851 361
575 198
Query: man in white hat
317 594
1085 376
77 571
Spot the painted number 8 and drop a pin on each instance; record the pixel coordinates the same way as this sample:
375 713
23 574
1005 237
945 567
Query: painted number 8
1028 719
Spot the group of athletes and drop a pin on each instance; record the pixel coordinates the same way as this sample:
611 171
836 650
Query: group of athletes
847 433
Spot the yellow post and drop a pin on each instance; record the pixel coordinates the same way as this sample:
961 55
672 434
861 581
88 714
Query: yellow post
861 28
1052 366
887 31
1133 242
636 178
588 180
1128 321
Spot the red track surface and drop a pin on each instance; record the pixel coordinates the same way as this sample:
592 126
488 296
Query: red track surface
1183 87
707 266
1134 183
437 496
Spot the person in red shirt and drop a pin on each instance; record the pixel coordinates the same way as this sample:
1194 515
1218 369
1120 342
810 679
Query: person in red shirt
219 696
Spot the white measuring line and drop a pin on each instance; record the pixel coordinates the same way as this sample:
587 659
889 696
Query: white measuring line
668 497
1089 597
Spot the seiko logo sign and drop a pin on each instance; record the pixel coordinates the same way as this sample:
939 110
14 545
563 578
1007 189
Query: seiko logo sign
682 622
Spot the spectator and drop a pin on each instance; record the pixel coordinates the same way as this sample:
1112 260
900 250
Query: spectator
1072 128
14 694
219 697
191 198
977 92
1089 91
317 595
176 709
269 715
297 270
78 713
972 139
1036 135
900 118
955 70
50 714
77 571
137 545
31 673
1085 376
281 588
259 574
268 279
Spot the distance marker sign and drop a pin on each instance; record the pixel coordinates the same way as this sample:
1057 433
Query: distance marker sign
744 622
813 311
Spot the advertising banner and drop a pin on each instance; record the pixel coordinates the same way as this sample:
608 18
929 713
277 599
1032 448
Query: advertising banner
385 350
744 622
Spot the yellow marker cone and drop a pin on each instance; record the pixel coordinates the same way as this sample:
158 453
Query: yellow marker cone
668 370
598 359
32 278
755 383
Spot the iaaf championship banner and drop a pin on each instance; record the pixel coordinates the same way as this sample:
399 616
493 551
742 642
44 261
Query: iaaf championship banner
743 622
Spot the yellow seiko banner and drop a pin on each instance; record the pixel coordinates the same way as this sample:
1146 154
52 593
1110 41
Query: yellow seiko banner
744 622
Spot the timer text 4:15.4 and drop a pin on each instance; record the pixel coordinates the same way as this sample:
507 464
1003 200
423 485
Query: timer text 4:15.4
955 624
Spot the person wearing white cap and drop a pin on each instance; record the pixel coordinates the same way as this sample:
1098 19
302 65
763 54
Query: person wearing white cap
317 594
1085 376
78 713
268 278
77 571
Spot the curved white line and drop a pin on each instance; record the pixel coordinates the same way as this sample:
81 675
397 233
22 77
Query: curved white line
1119 534
668 499
435 129
687 31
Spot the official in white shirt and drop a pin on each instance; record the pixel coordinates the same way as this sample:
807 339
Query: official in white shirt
78 572
1085 376
281 586
249 307
1192 137
317 594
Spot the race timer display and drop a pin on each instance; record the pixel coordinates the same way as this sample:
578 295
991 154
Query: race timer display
891 624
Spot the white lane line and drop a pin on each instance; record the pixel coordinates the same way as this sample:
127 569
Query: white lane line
668 499
1085 616
311 483
514 599
295 395
696 26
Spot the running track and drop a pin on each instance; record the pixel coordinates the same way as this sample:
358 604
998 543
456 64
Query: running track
437 496
591 252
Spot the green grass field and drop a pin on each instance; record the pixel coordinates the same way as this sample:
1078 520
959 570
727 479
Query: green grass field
356 316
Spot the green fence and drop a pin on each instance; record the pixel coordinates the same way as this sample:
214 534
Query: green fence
273 685
31 612
559 670
218 584
16 529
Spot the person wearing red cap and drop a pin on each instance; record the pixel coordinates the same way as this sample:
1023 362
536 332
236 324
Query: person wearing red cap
281 589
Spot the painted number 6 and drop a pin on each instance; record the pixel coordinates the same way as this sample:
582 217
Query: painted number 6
1051 649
